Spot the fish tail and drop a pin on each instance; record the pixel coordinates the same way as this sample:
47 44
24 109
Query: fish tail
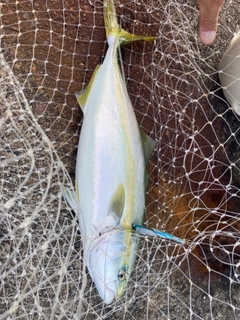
113 28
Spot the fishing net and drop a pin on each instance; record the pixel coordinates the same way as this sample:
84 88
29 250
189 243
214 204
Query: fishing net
49 50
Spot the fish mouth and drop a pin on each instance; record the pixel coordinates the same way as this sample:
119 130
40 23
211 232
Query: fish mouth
109 295
107 291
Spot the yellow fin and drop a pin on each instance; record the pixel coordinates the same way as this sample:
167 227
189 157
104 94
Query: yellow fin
112 27
82 96
118 201
148 145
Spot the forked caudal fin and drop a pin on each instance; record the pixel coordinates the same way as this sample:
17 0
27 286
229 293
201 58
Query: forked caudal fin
112 27
155 233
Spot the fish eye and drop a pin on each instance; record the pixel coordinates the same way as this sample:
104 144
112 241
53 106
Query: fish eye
122 274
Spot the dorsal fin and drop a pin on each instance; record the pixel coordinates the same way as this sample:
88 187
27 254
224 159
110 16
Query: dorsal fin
82 96
148 145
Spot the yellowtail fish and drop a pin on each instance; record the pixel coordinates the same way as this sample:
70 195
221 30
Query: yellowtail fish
229 73
111 171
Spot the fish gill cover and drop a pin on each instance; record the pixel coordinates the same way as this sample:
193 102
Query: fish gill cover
49 51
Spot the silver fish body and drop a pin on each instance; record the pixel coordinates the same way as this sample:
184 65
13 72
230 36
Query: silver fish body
111 171
110 175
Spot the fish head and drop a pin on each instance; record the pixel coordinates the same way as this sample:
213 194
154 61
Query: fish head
110 260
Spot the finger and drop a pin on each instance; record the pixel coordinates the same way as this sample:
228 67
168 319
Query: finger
208 19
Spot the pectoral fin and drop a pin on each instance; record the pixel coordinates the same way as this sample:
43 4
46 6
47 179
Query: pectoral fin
82 96
155 233
117 201
148 145
111 221
71 198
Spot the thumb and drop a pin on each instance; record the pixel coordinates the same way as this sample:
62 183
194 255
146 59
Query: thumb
208 19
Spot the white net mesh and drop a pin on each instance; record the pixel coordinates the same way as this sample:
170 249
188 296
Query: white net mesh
49 51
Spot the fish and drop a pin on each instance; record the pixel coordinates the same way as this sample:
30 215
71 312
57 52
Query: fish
111 179
229 73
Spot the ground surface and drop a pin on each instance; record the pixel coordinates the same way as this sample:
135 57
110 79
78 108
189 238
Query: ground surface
53 48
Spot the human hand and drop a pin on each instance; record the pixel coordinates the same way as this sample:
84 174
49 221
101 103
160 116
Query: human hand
208 19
